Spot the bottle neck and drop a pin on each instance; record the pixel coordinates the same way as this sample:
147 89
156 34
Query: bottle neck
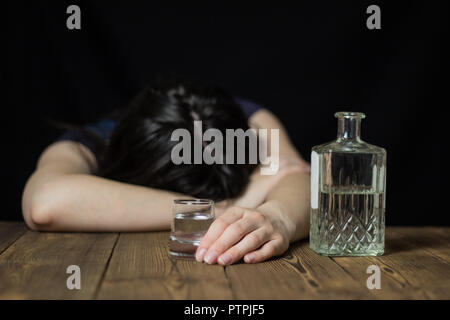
349 129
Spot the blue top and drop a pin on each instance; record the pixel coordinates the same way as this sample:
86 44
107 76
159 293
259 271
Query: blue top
95 135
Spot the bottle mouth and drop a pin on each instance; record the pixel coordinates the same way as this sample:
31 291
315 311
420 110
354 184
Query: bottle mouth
348 114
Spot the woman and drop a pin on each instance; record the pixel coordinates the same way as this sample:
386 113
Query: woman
117 175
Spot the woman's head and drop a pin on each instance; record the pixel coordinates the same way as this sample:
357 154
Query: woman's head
140 147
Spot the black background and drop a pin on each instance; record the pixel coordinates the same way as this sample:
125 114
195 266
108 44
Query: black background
302 61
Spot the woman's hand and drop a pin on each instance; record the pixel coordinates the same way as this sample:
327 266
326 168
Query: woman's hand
254 235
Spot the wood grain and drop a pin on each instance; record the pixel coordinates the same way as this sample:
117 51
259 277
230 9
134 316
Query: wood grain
431 239
298 274
272 279
10 232
140 268
407 270
34 267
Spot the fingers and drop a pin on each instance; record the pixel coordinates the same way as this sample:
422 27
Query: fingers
241 233
250 242
233 234
269 249
216 229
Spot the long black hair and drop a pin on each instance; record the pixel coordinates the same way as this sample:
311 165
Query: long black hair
139 149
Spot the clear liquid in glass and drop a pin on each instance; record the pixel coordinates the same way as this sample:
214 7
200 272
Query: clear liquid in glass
188 228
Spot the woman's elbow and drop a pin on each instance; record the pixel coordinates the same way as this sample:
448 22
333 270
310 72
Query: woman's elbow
36 212
40 217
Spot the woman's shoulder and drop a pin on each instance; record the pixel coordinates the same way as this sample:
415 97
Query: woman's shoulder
95 136
248 106
103 128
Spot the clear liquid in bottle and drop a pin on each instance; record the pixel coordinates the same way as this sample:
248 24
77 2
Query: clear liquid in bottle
348 182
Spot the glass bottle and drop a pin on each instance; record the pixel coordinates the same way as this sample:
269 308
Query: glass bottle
348 185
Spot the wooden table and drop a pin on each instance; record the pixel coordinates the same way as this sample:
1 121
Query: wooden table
33 265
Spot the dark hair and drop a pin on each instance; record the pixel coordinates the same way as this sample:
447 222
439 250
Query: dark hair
139 150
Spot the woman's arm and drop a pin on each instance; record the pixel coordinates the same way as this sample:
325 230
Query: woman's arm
257 234
290 161
288 203
64 195
289 198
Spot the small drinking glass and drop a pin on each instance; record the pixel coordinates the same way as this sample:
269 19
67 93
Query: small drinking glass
191 220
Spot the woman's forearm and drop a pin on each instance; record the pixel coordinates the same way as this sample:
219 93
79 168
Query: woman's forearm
289 202
82 202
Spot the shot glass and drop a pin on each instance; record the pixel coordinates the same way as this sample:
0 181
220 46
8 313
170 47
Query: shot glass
191 220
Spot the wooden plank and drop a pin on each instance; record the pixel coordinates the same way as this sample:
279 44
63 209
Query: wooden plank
432 239
298 274
140 268
407 271
394 285
34 267
332 281
10 232
137 266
